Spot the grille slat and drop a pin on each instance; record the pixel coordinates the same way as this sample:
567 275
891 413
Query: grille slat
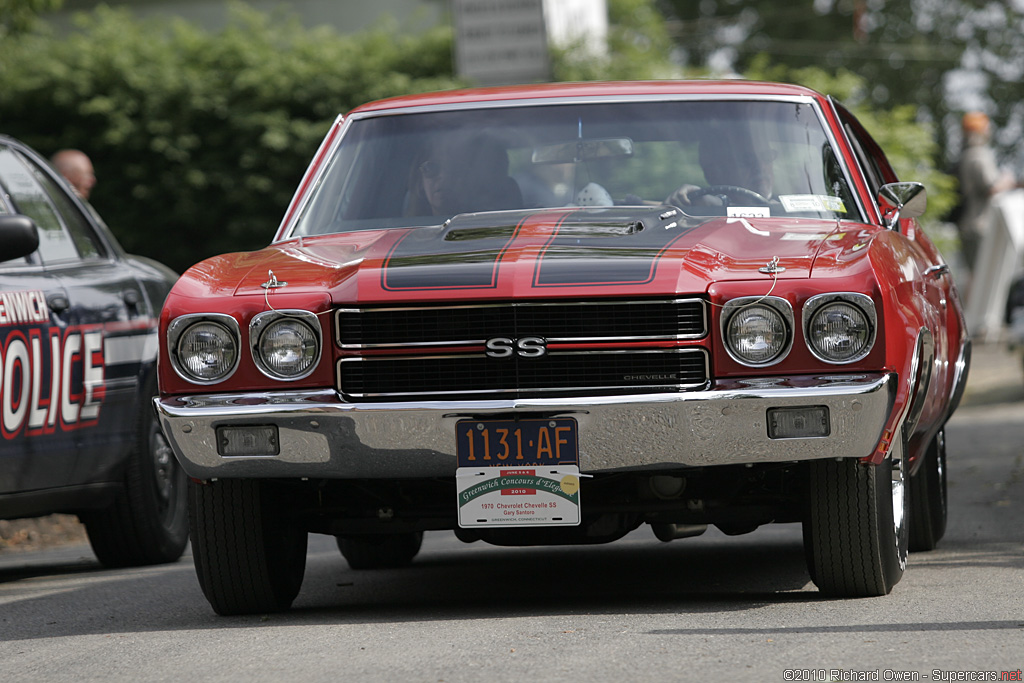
439 325
560 373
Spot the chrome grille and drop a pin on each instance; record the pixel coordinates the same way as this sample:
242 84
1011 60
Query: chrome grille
428 351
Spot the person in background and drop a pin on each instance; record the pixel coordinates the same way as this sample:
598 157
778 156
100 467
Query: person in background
980 180
77 168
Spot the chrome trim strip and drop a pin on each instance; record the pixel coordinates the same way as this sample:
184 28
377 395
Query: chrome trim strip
323 436
479 392
520 304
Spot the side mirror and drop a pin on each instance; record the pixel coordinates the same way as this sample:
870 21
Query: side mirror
902 200
19 236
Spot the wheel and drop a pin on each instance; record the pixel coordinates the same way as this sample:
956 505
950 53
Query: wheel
385 551
928 499
248 558
856 529
148 521
733 190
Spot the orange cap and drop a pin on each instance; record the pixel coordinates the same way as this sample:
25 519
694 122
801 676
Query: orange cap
975 122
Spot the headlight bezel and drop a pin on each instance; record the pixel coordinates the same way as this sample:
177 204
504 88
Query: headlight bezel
178 328
262 323
779 306
861 302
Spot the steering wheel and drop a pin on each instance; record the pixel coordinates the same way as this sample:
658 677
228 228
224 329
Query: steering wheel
732 190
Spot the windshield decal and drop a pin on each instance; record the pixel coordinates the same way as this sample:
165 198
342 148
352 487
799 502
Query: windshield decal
812 202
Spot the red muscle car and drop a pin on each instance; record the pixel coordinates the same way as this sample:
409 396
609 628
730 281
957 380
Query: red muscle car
550 314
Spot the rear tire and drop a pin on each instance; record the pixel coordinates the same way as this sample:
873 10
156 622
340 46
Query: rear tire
928 497
385 551
856 530
248 558
148 520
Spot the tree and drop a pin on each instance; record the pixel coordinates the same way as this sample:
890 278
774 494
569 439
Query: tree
19 16
199 138
941 57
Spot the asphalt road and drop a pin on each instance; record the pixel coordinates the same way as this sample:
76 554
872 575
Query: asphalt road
704 609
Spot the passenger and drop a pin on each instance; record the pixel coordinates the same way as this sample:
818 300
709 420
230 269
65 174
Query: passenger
461 175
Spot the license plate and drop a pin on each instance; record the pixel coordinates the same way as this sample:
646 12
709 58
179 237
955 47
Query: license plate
516 473
498 443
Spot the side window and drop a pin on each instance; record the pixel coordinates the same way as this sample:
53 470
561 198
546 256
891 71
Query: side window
86 240
29 198
876 167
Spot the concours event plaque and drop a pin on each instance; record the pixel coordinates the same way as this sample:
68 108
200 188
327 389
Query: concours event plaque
516 473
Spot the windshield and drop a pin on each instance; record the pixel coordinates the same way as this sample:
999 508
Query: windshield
723 158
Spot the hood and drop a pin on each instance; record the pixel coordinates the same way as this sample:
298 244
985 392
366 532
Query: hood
551 253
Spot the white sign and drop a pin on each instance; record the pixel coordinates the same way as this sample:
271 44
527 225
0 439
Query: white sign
518 496
501 41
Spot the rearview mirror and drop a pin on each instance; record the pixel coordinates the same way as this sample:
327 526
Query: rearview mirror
583 150
19 237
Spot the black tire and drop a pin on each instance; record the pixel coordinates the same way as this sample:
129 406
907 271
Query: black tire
384 551
856 531
248 558
928 497
148 521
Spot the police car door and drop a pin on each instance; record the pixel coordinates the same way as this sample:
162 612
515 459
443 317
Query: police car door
37 448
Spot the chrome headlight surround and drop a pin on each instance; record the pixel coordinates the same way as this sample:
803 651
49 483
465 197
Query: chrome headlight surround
853 313
774 328
293 336
222 346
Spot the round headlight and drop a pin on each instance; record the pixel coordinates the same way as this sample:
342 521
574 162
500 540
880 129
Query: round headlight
839 332
207 352
757 334
287 348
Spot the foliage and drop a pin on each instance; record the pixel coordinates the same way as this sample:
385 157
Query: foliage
199 138
18 16
944 57
639 47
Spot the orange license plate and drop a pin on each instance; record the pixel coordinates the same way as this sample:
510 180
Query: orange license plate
504 443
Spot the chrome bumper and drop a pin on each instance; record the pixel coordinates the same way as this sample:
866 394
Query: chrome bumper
322 436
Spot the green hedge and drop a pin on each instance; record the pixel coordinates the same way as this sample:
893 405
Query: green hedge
199 139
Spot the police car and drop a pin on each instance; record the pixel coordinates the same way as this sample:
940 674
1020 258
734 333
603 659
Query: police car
78 347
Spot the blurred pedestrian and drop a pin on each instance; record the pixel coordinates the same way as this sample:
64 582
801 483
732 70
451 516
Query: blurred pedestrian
77 168
980 180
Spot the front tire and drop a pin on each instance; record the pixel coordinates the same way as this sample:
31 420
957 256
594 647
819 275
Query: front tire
248 557
856 530
148 520
928 497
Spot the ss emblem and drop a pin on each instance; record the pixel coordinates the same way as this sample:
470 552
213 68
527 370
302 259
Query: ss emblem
527 347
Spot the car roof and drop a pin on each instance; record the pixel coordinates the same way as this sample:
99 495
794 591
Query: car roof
599 89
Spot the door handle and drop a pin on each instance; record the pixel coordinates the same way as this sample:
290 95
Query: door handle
937 271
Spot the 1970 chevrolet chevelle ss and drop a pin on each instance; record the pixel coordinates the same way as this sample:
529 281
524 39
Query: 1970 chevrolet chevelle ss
550 314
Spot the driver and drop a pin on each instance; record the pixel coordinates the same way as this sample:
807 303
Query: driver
729 162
